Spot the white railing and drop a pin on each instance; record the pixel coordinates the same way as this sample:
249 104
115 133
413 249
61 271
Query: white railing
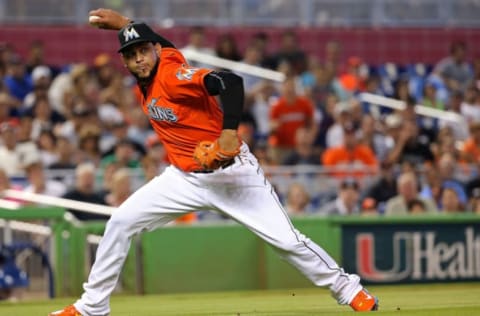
256 71
419 109
59 202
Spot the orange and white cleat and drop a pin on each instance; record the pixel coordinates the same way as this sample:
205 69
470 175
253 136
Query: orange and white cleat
364 302
67 311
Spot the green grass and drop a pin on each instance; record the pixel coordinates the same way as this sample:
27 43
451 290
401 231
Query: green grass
432 300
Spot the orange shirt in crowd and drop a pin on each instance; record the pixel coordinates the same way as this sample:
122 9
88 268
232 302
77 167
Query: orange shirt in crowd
471 151
352 162
290 117
187 218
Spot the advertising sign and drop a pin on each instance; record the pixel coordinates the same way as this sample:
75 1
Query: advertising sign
412 253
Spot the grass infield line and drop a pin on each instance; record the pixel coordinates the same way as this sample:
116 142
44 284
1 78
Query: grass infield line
423 300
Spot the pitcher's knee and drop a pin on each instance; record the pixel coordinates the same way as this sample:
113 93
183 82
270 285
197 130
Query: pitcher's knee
289 245
122 221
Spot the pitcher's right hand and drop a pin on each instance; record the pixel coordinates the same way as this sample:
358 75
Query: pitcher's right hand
107 19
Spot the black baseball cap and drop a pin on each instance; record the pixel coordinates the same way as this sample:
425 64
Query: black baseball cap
135 33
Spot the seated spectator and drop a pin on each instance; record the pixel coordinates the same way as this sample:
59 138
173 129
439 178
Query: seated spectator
342 115
371 136
372 85
35 55
448 170
327 118
115 132
454 70
288 114
409 146
226 47
291 52
263 154
8 106
431 186
39 183
369 207
427 127
260 40
107 178
474 202
347 202
357 112
470 108
452 200
400 88
350 81
13 152
303 153
41 80
84 191
407 186
416 206
258 101
123 154
307 79
156 150
83 91
109 114
66 154
119 94
252 56
459 128
150 168
384 188
17 80
321 88
7 184
333 55
104 70
46 143
445 144
350 159
139 128
470 151
430 97
80 115
298 200
89 144
121 187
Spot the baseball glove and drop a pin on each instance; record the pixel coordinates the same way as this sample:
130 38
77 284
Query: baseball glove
210 156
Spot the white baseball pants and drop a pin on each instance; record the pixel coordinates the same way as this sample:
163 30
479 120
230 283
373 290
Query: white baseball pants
239 191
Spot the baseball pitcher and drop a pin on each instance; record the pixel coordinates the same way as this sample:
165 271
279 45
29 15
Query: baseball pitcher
211 169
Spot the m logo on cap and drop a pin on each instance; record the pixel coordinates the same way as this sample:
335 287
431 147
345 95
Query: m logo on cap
130 34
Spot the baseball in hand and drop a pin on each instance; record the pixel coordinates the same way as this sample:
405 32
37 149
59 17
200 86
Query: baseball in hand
93 20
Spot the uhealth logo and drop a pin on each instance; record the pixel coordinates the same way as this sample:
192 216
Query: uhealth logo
420 256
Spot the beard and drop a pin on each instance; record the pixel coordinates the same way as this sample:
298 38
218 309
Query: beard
146 81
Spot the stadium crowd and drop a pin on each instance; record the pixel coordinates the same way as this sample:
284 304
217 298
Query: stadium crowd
76 131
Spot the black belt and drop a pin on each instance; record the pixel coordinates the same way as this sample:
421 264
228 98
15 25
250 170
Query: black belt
227 164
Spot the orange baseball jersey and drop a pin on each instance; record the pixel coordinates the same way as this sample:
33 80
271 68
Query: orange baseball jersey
350 162
180 109
471 150
291 117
